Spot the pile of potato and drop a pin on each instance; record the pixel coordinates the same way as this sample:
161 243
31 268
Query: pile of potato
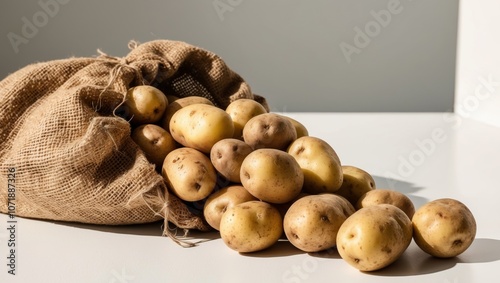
280 182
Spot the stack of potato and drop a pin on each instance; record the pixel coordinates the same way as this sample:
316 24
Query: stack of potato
278 180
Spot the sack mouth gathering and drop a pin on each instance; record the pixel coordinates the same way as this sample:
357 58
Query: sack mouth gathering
74 158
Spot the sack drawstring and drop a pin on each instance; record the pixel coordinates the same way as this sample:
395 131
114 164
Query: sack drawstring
120 64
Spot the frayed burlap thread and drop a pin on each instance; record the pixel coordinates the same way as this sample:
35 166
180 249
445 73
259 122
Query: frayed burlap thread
74 159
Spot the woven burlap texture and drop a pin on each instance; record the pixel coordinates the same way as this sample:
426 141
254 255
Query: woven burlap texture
74 160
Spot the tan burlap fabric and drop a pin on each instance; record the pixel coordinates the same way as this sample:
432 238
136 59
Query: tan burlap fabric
74 159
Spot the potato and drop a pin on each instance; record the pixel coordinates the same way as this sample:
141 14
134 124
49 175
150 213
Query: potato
355 183
283 207
319 163
374 237
242 110
177 103
227 155
189 174
380 196
218 202
300 129
146 104
312 222
271 175
444 227
269 130
155 141
251 226
200 126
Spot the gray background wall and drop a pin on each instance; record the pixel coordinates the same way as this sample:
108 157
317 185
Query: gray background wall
399 55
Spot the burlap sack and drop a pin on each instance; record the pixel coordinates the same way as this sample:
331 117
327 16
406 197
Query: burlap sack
74 159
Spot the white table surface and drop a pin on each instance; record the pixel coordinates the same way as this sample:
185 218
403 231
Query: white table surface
461 160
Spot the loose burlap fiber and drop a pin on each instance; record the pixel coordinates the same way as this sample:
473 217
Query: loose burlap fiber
74 160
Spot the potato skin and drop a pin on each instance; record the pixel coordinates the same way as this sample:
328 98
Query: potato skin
269 130
241 111
177 103
200 126
227 155
355 183
218 202
312 222
271 175
146 104
283 207
251 226
444 227
395 198
374 237
189 174
319 163
300 129
155 141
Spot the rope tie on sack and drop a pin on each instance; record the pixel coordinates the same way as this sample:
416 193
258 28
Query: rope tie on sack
121 63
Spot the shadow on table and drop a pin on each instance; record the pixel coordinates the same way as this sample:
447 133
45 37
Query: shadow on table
482 250
404 187
156 228
146 229
413 262
280 249
328 253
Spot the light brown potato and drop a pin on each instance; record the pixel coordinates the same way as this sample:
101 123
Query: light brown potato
271 175
319 163
146 104
269 130
227 155
176 104
312 222
189 174
300 129
374 237
200 126
218 202
444 227
379 196
251 226
283 207
355 183
155 141
242 110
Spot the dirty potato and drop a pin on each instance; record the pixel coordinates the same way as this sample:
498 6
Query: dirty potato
189 174
227 155
155 141
145 104
444 227
269 130
312 222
